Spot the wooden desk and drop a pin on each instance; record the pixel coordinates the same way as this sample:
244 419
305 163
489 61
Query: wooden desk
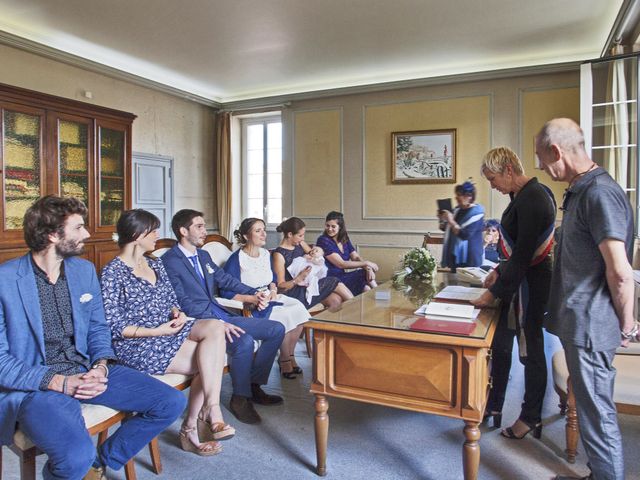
366 352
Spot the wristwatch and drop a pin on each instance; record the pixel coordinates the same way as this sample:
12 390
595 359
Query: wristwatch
631 334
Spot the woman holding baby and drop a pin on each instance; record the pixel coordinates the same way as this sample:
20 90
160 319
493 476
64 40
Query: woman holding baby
344 262
251 264
331 292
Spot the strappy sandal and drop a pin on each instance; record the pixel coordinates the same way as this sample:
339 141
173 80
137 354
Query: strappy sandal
535 429
206 449
295 368
208 431
290 375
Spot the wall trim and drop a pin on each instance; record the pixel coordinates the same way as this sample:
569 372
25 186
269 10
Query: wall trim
42 50
498 74
520 107
340 109
369 231
435 98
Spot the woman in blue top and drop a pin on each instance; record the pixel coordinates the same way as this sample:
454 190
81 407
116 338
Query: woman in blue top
463 242
251 264
343 262
151 334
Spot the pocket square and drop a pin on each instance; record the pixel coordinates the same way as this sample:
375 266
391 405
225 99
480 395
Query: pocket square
86 297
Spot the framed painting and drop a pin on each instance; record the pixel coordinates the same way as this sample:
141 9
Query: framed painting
424 156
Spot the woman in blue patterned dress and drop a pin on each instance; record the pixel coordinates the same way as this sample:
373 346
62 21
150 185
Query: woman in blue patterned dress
463 242
332 291
151 334
341 256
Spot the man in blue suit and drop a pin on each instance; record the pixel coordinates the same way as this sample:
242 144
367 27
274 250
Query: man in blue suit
196 280
55 353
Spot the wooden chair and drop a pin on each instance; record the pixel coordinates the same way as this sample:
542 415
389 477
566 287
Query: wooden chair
626 393
97 419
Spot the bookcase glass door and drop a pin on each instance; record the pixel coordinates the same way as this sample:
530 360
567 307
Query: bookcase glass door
73 152
112 175
22 164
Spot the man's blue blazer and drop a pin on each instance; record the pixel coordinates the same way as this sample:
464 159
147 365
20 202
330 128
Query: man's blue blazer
22 351
195 300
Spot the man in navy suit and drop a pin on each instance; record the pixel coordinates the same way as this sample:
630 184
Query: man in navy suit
55 353
196 280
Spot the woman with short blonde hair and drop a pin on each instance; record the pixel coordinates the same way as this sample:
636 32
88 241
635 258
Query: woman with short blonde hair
497 159
522 281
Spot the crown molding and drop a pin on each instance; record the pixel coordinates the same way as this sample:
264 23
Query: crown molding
36 48
283 100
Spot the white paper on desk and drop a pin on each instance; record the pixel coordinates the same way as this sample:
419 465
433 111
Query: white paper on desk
456 292
446 309
470 312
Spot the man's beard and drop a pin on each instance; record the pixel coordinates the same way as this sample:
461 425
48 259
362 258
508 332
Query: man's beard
68 248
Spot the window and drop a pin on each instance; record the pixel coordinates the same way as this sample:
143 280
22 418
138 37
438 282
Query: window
262 168
609 118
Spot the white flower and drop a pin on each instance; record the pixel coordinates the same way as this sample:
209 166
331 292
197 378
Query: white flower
209 269
86 297
115 237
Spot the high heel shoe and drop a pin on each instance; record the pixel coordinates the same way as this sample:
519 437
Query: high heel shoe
290 375
213 448
295 368
497 418
216 431
536 429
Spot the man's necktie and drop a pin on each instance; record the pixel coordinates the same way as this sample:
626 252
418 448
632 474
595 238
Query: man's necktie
194 261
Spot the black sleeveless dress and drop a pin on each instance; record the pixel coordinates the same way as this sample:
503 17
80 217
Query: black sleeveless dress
326 285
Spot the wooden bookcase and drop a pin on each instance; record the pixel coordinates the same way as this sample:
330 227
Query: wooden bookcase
52 145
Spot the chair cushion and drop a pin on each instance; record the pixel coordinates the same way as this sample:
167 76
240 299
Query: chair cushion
160 251
627 377
218 251
92 414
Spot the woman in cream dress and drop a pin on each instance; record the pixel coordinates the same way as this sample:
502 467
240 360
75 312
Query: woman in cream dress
251 264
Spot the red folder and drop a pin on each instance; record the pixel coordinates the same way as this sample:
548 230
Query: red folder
425 324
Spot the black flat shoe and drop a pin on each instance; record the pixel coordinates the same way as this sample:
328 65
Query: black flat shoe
536 429
497 418
291 374
565 477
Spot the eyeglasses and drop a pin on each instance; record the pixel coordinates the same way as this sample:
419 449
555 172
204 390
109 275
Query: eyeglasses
565 199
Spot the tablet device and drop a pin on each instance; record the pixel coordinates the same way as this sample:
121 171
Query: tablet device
445 204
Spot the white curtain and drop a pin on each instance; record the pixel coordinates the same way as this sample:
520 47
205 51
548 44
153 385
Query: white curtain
617 125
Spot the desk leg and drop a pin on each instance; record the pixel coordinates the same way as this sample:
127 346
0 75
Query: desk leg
322 433
471 450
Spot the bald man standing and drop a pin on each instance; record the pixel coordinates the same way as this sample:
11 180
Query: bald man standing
591 300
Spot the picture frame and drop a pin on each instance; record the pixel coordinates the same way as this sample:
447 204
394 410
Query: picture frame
423 156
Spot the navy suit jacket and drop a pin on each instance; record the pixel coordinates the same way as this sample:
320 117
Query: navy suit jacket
195 300
22 350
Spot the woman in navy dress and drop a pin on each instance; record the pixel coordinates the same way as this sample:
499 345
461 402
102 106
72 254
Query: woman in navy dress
151 334
343 261
463 242
332 291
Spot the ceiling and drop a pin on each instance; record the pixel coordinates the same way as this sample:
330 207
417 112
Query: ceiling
234 50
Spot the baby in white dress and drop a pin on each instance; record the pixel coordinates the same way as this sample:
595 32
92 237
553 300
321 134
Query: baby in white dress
315 260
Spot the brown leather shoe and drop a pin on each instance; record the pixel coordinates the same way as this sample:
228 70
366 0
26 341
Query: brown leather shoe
262 398
243 410
95 474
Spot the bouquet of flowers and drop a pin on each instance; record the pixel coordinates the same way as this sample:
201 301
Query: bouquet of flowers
416 264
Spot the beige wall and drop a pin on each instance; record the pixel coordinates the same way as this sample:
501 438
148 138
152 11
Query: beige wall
166 125
385 219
